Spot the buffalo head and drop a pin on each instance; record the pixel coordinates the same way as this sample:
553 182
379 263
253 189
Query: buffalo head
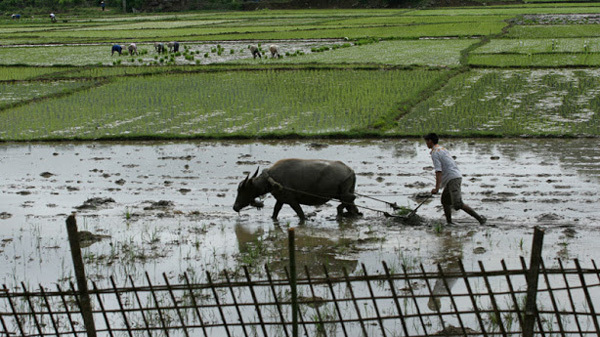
247 192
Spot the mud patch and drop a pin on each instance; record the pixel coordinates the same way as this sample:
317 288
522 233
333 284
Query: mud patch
96 203
159 205
46 174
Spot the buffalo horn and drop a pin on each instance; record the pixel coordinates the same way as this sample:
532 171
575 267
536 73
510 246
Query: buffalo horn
256 173
246 180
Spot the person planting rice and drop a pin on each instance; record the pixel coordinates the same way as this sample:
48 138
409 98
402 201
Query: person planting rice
52 17
448 177
255 52
173 46
116 48
159 47
132 48
274 51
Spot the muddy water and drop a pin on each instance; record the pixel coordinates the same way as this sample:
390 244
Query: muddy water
166 207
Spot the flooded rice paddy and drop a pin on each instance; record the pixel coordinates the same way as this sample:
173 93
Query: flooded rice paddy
167 207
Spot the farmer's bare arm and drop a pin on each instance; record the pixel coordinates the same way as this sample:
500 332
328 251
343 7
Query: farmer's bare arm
438 182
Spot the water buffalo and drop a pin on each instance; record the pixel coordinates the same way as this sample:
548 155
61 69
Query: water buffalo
116 48
132 48
300 182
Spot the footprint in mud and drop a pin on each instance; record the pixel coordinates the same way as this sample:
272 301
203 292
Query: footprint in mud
46 174
5 215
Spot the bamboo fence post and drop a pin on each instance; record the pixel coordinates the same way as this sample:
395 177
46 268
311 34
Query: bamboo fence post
537 313
193 298
570 294
553 300
103 310
511 289
157 305
49 308
436 305
395 297
493 300
14 311
84 296
255 300
176 306
321 325
356 307
32 308
67 311
335 301
293 280
121 306
5 332
414 298
235 303
588 298
472 297
277 304
300 317
374 300
139 303
216 297
452 301
532 282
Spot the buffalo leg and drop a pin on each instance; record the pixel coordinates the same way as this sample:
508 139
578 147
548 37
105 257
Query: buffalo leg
348 203
276 210
296 207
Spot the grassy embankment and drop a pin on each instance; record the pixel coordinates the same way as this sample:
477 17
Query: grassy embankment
485 71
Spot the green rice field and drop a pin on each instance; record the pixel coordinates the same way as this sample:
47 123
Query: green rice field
306 102
23 91
545 102
511 70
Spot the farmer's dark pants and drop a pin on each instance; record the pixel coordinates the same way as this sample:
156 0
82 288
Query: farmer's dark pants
451 196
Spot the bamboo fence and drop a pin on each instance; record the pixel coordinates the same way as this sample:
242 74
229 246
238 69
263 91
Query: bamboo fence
449 301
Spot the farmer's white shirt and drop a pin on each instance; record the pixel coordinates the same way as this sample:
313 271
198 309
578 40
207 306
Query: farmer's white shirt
442 161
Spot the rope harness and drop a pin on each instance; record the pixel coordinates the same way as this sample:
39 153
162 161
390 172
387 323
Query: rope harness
394 206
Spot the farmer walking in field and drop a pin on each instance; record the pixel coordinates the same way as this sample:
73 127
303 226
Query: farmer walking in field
102 4
448 177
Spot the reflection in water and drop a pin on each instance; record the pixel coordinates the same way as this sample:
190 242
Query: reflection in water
314 249
450 252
